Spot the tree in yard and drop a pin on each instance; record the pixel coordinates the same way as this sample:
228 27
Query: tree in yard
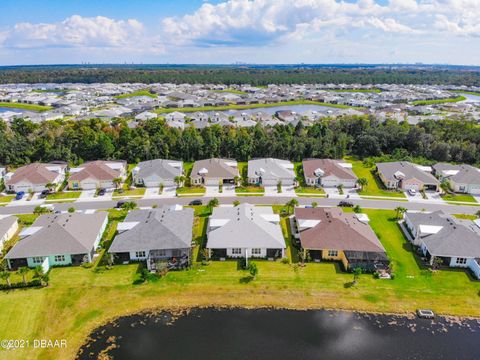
279 187
205 256
23 271
71 210
291 205
253 269
129 205
400 210
179 180
356 274
362 182
39 274
437 262
314 204
236 203
41 210
303 255
236 180
477 214
340 189
357 209
213 203
50 186
5 275
117 181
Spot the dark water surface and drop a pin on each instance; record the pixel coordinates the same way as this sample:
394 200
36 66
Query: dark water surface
283 334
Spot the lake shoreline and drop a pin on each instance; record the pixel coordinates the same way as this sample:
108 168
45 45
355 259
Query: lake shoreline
181 311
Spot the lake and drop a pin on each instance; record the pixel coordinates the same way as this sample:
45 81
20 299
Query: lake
240 334
5 109
470 97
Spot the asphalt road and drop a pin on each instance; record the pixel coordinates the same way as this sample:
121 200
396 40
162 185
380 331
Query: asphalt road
270 200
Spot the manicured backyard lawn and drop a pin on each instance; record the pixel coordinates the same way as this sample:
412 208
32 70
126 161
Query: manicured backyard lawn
374 187
85 298
459 197
64 195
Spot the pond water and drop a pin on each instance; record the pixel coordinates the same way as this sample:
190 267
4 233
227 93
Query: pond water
5 109
470 97
272 110
283 334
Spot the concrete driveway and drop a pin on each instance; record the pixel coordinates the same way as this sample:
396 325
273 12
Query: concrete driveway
87 195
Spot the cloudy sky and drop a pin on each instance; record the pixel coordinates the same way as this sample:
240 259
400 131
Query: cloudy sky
228 31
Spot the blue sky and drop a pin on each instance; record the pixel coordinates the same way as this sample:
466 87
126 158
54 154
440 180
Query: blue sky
227 31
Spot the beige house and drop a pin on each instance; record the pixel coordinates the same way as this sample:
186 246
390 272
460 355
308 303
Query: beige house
212 172
35 177
97 174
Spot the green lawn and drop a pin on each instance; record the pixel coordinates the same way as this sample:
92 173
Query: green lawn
137 93
127 193
64 195
438 101
232 91
374 187
250 189
6 198
459 197
465 216
309 191
30 107
85 298
190 190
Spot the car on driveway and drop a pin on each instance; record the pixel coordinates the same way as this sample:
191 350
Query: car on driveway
195 202
20 195
44 194
102 192
412 192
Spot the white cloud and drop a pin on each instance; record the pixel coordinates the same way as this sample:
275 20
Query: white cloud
261 22
79 32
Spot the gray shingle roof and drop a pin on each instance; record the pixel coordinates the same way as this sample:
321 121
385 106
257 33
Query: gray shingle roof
454 239
157 229
467 174
60 234
160 168
246 226
6 223
270 168
410 171
217 168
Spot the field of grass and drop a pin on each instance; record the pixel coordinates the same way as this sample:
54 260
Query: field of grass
438 101
250 189
6 198
459 197
306 190
64 195
253 106
86 298
128 192
190 190
30 107
136 93
374 187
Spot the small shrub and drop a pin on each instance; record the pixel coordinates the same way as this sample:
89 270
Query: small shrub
285 261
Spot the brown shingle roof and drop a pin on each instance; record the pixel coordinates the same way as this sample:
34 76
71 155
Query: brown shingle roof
36 173
329 167
95 170
217 168
336 231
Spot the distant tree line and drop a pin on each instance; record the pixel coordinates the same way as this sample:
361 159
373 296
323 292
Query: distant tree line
361 136
238 75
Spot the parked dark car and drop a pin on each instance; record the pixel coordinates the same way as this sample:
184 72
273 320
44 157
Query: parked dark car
20 195
345 204
195 202
120 204
44 194
101 192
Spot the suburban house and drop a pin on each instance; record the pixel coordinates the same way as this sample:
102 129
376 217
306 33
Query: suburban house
440 236
154 173
154 235
328 173
35 177
8 228
58 240
214 171
98 174
462 178
269 172
332 235
404 175
245 231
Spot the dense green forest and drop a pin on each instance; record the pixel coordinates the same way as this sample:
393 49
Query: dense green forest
240 75
361 136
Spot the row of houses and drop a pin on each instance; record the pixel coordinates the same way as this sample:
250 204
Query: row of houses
164 235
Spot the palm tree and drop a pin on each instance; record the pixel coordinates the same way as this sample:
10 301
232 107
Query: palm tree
356 274
400 211
236 180
23 271
314 204
340 189
117 181
5 275
50 186
205 255
291 205
129 205
178 180
362 182
213 203
39 274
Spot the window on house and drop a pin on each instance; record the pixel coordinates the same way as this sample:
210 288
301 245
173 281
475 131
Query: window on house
140 254
333 253
37 260
161 252
256 251
59 258
461 261
236 251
